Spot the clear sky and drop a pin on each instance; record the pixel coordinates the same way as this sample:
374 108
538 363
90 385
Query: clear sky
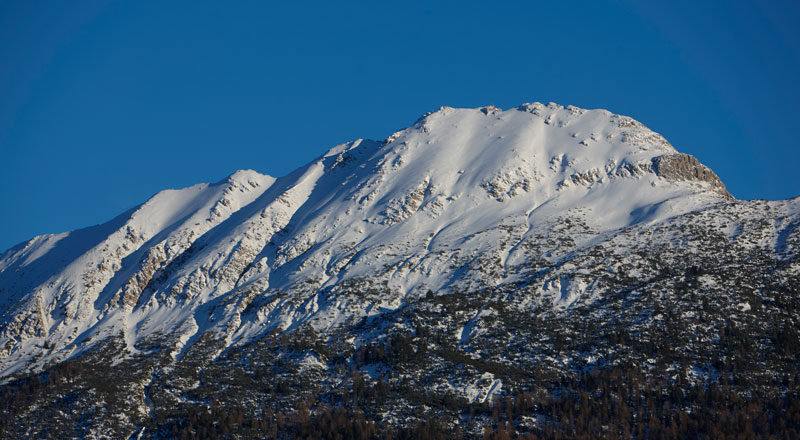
103 104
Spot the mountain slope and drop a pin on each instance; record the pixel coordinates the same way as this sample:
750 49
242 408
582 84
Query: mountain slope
541 210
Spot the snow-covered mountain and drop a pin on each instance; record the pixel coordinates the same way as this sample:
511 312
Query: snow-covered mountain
537 205
405 215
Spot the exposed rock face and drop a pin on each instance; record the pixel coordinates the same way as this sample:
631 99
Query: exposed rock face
680 166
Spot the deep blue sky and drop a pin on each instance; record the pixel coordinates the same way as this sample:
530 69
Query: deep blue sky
102 104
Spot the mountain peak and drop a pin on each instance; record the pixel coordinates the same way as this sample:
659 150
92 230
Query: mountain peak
548 146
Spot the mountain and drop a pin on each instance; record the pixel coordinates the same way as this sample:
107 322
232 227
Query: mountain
474 256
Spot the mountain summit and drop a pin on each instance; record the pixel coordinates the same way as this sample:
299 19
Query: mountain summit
541 210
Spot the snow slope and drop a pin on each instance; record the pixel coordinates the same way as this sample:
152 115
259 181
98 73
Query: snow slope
449 203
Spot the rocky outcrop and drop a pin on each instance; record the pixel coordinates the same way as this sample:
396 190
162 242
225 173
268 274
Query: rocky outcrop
683 167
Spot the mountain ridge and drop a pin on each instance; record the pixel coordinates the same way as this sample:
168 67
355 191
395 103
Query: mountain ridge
627 150
479 256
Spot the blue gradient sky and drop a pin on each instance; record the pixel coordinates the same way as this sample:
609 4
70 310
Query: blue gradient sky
102 103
